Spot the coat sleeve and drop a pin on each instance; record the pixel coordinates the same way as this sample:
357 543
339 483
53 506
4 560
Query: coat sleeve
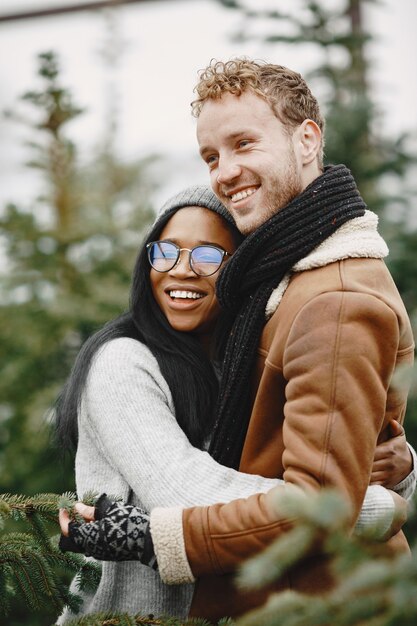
128 412
339 359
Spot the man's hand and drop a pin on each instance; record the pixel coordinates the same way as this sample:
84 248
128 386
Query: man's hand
393 460
119 532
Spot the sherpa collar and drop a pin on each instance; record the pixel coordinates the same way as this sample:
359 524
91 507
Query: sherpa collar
357 238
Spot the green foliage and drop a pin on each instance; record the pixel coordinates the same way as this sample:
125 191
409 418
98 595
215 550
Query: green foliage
371 589
318 516
31 565
69 255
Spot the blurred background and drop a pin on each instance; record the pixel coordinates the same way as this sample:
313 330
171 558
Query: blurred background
96 132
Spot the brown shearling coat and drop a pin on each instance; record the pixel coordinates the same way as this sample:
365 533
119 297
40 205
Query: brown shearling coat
322 399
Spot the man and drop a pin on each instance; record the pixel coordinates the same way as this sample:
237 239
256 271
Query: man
306 391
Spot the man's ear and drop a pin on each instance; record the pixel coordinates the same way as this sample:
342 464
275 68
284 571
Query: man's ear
310 141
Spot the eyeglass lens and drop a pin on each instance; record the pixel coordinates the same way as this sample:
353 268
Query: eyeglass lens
204 260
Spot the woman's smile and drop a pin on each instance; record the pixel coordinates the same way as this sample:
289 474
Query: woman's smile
184 297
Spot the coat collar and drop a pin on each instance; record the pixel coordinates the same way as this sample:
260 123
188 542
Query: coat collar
357 238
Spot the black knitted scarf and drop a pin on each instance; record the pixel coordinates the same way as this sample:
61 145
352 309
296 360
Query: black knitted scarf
248 279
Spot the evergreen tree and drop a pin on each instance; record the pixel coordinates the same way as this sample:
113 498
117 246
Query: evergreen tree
69 257
371 588
31 564
68 262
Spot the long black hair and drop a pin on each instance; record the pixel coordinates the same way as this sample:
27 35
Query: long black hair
181 358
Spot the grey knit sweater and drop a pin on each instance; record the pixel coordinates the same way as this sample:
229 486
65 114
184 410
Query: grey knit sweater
130 445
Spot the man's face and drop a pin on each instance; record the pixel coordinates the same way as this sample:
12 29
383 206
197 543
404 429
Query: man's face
252 161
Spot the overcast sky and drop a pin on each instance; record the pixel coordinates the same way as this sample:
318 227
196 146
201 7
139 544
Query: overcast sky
166 43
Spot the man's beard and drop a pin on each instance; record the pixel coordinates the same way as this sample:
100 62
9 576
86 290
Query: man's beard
283 187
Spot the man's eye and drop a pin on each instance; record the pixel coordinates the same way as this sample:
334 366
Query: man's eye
211 160
243 143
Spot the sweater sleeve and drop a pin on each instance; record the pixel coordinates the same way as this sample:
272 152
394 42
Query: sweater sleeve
407 486
128 409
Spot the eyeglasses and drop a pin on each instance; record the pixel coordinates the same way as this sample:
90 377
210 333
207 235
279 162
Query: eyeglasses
204 260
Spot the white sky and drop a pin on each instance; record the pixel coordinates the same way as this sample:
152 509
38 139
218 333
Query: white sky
167 42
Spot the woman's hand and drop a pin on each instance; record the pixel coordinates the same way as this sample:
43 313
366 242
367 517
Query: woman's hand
393 460
83 510
113 531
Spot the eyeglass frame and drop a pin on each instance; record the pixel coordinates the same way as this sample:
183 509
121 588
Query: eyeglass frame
190 250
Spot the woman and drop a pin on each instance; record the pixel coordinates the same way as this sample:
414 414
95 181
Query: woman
144 388
141 377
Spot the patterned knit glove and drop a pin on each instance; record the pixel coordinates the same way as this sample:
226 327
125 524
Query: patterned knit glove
120 533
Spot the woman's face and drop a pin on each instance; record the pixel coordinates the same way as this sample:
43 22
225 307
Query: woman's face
195 309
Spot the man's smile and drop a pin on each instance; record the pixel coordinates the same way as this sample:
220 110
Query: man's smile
241 195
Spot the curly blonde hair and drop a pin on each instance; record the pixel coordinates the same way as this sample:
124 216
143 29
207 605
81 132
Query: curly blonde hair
285 90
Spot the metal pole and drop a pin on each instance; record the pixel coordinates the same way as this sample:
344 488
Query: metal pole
69 8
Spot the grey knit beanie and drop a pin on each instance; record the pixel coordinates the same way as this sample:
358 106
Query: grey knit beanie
197 195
